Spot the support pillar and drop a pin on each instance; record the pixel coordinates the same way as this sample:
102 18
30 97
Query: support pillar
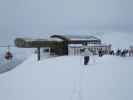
38 54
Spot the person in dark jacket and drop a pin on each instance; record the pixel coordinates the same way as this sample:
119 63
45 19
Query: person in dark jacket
100 53
86 55
86 60
118 52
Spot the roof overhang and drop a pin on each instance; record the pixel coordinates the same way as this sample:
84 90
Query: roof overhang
34 43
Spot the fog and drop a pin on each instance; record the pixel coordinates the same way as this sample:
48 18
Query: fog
39 17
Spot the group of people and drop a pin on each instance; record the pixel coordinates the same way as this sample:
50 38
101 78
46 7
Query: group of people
118 52
122 53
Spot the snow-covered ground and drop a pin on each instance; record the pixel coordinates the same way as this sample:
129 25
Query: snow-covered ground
66 78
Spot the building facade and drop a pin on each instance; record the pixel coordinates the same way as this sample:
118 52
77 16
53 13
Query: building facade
65 44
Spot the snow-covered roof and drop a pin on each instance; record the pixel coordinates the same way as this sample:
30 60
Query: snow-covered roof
75 45
38 40
49 39
91 45
83 38
76 37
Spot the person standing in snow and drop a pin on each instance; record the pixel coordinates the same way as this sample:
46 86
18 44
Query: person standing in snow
130 51
86 55
100 53
118 52
86 60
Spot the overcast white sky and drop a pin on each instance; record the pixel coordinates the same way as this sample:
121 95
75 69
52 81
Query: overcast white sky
56 16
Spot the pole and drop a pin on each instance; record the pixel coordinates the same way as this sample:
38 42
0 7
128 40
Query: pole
38 54
8 48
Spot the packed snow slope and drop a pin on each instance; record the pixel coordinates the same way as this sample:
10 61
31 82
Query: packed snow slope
66 78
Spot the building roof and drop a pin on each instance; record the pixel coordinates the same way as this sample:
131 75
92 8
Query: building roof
29 43
89 45
55 40
75 37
